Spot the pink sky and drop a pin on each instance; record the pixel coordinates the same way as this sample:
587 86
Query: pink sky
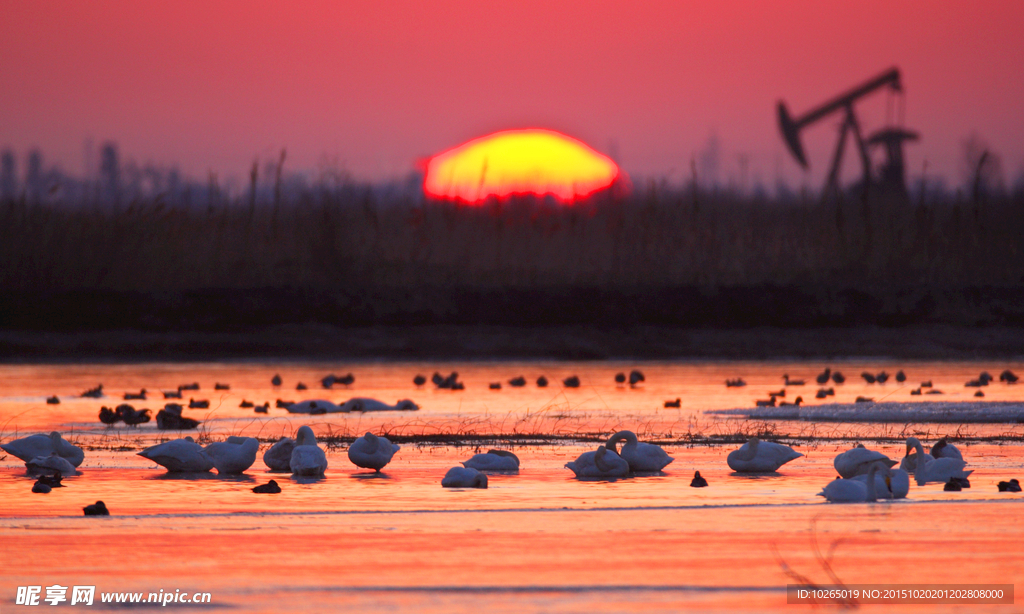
210 85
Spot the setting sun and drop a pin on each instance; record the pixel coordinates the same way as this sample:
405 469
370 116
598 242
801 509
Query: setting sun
532 161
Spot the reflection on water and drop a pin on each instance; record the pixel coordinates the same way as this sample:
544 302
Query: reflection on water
538 540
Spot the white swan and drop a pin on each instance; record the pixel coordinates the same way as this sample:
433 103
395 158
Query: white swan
307 458
936 469
317 406
180 455
601 463
944 449
234 455
371 452
364 404
279 456
32 446
898 483
642 457
853 491
494 460
464 477
758 456
859 460
52 462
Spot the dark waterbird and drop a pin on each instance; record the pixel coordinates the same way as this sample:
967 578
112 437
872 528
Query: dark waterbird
620 378
171 420
677 403
698 481
198 404
979 394
863 400
270 487
882 377
927 384
327 381
542 382
109 416
246 404
276 380
571 382
765 403
792 382
93 393
868 377
192 386
824 376
301 386
1011 486
494 385
419 380
1008 376
262 409
952 486
53 481
345 380
796 402
283 404
838 377
448 383
132 396
39 487
517 382
901 376
54 400
825 392
735 383
635 377
131 416
219 386
96 509
172 394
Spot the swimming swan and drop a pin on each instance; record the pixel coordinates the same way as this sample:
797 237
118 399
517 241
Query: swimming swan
494 460
858 461
32 446
758 456
279 456
640 456
601 463
364 405
936 469
944 449
853 491
464 477
180 455
307 458
897 488
234 455
371 452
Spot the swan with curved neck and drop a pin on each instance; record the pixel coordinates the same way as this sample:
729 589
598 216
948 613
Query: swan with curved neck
307 459
279 456
858 461
234 455
935 469
371 452
642 457
758 456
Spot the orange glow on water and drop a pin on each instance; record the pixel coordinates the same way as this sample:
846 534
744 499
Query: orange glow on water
531 161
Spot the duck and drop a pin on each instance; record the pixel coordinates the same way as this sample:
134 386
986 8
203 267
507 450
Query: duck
198 404
464 477
345 380
307 458
54 400
220 386
53 481
362 404
93 393
944 449
868 377
1008 376
635 377
838 377
132 416
935 469
677 403
372 452
927 384
698 481
39 487
765 403
109 416
572 381
735 383
234 455
327 381
859 460
901 376
270 487
52 462
796 402
542 382
246 404
170 419
758 456
276 380
96 509
853 491
493 460
172 394
1009 486
179 456
301 386
517 382
131 396
601 463
642 457
419 380
279 456
824 376
952 486
895 485
32 446
882 377
192 386
793 382
494 385
620 378
313 406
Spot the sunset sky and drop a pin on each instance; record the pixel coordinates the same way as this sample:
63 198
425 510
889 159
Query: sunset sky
375 86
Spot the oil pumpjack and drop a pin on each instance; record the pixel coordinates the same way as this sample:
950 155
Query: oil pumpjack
890 176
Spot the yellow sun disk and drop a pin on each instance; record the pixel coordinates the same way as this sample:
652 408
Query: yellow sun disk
519 162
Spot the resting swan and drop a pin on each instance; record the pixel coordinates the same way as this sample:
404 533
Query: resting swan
371 452
364 405
180 455
758 456
601 463
944 449
32 446
464 477
642 457
307 458
859 461
936 469
234 455
494 460
51 463
314 406
853 491
279 456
